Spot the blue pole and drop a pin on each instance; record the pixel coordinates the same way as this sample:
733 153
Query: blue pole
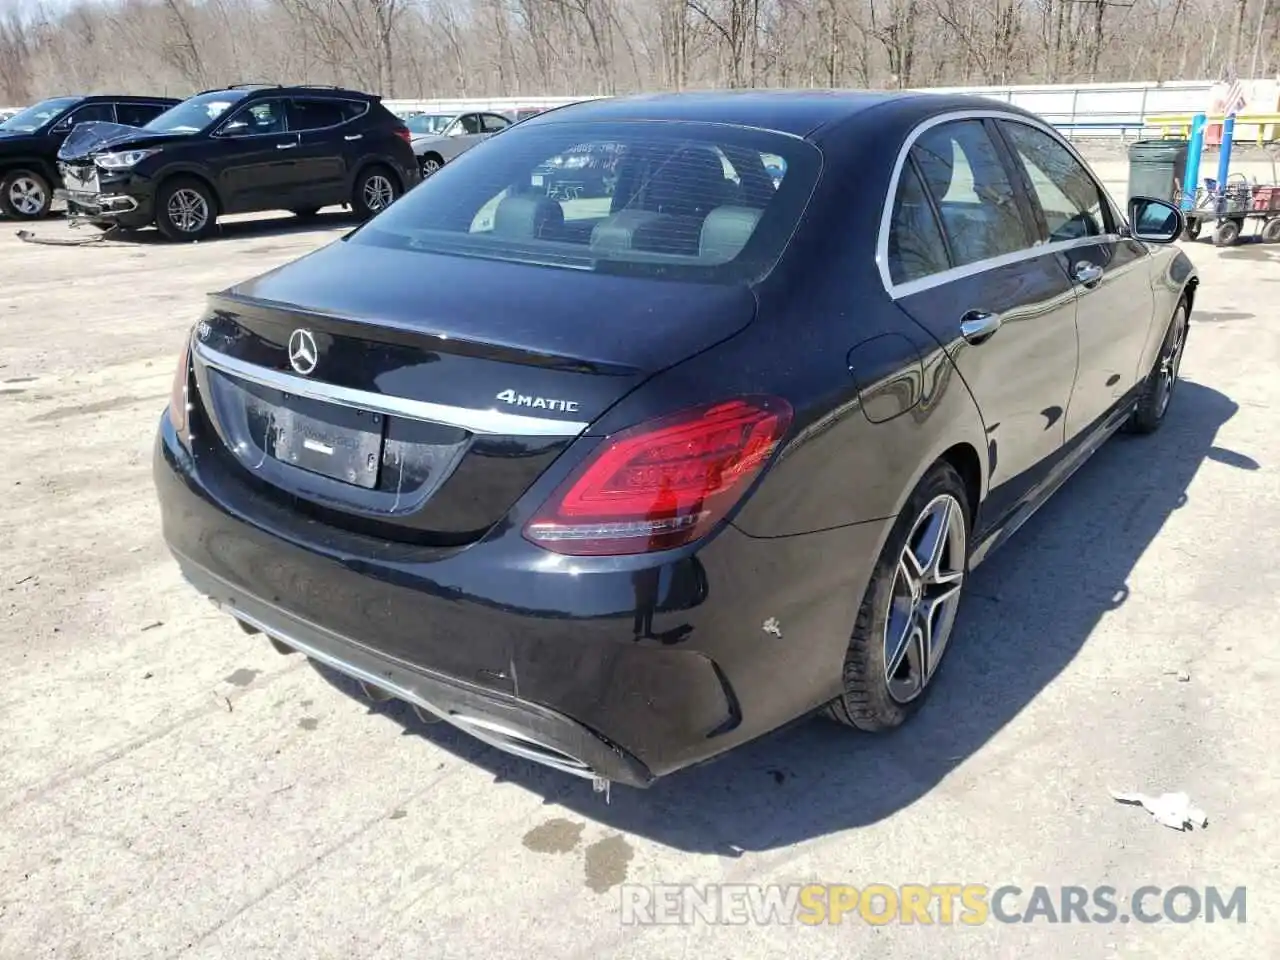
1195 150
1224 160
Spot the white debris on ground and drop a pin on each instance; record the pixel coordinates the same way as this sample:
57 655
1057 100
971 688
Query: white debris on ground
1172 809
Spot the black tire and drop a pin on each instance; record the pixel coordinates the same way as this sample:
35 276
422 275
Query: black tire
1226 233
1192 230
1162 379
1271 231
25 195
374 181
869 701
431 163
306 213
182 193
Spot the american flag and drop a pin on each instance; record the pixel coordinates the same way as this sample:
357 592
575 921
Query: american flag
1233 101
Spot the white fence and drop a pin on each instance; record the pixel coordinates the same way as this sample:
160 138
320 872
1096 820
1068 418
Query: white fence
1091 109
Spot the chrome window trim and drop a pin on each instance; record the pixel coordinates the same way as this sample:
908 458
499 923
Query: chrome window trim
898 290
492 421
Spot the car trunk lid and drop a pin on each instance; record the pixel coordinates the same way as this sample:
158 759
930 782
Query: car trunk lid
425 393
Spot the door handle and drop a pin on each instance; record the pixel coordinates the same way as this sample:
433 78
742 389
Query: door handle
1088 273
977 326
285 146
354 136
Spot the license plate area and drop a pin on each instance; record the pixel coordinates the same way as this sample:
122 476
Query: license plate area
81 179
337 442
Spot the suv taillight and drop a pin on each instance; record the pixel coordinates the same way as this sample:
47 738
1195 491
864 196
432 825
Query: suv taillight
663 483
404 134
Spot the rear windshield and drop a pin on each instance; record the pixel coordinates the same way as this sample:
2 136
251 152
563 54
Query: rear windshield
703 202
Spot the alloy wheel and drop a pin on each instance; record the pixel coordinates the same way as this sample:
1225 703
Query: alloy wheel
26 196
378 192
188 210
429 166
925 597
1170 362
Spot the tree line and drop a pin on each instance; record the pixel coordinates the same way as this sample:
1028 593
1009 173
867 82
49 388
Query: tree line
473 48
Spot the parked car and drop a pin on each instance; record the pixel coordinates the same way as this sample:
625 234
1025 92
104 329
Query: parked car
239 150
619 489
584 171
429 124
452 139
29 142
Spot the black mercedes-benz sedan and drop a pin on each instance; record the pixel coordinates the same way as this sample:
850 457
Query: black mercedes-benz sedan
618 482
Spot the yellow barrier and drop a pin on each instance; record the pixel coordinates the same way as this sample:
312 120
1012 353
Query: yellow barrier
1179 125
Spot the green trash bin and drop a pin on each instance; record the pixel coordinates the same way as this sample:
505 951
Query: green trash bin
1156 168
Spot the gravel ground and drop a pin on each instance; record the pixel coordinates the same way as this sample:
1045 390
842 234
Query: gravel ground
172 787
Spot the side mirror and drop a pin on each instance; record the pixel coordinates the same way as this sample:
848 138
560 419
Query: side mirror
233 129
1155 221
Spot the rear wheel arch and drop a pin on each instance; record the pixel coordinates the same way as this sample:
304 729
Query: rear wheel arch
968 464
370 163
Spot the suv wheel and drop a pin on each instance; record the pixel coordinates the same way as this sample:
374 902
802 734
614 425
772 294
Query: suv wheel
25 195
185 210
1158 390
906 616
375 189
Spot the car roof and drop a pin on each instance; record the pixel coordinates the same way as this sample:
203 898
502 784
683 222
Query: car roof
800 113
128 98
259 89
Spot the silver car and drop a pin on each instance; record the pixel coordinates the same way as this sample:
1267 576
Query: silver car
442 139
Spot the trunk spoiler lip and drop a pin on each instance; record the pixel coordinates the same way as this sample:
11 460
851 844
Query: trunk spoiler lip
407 333
490 421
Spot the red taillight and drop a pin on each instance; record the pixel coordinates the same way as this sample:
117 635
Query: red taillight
404 134
178 392
663 483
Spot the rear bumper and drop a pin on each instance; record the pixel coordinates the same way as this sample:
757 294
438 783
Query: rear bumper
622 674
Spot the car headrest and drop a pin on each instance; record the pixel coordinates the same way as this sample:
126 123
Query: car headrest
688 184
618 232
726 231
527 216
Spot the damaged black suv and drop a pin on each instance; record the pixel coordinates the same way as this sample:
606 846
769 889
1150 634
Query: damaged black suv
242 149
29 142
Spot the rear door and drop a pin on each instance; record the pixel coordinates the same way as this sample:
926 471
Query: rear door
961 260
326 142
491 123
1110 271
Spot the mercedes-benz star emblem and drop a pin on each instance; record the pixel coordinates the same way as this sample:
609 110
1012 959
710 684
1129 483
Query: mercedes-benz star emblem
303 355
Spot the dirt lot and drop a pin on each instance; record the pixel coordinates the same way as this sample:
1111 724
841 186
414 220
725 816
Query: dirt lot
171 787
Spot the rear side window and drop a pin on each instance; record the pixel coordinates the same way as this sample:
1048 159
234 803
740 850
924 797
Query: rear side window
963 172
1071 199
314 114
675 200
916 246
137 114
493 124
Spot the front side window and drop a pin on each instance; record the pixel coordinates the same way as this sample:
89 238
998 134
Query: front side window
493 124
916 246
89 113
679 201
963 172
196 114
1071 199
260 117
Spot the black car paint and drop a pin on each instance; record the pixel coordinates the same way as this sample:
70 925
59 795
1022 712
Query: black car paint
38 150
663 657
248 173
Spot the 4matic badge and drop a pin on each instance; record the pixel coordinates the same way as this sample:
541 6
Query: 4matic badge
537 403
